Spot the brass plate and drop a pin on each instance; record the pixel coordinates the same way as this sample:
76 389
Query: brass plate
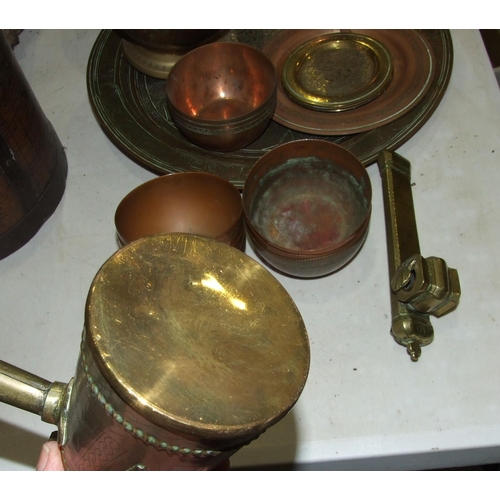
337 72
131 109
197 336
414 67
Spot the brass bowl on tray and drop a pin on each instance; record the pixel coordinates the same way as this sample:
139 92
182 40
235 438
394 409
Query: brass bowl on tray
222 96
307 207
188 202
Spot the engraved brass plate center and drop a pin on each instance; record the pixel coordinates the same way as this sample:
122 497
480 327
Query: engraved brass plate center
337 71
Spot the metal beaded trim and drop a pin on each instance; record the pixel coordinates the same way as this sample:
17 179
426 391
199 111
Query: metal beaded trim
138 433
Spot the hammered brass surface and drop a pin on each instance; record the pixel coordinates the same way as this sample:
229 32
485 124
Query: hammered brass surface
337 72
419 286
197 336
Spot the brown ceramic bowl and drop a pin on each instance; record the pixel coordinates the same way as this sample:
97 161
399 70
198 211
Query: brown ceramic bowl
192 202
222 95
307 207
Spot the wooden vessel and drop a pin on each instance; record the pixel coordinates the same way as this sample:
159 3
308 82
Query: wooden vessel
33 165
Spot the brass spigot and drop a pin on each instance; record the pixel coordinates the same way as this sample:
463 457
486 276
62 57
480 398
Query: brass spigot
29 392
419 286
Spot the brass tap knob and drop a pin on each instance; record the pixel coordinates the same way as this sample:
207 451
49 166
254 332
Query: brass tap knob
427 284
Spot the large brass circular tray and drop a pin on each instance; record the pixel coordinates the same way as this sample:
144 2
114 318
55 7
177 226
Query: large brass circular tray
132 111
413 69
337 71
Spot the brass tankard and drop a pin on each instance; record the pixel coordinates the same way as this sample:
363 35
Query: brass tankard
190 350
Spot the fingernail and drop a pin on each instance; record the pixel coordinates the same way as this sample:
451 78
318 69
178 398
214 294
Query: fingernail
44 456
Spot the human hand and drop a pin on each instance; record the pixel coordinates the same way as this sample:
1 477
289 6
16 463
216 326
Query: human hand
50 457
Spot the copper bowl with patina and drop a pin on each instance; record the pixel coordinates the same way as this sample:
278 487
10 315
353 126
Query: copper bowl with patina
307 207
187 202
222 95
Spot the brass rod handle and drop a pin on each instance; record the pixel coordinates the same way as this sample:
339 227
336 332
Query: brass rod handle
29 392
419 286
401 223
409 327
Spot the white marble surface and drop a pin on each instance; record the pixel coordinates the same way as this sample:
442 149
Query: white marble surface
365 405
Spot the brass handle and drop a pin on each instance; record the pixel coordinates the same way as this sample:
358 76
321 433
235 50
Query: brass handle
28 392
419 286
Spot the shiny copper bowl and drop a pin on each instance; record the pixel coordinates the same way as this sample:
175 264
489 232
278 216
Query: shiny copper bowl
222 95
191 202
307 207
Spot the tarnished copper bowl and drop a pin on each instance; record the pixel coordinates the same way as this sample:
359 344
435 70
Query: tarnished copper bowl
222 95
307 207
190 202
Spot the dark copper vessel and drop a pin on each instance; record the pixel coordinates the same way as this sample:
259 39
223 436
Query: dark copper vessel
33 165
173 41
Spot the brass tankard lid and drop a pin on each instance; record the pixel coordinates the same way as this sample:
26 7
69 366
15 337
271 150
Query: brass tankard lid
197 336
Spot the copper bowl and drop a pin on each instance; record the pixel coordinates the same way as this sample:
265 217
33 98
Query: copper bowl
222 95
307 207
189 202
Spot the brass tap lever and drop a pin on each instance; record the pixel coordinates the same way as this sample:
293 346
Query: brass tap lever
419 286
